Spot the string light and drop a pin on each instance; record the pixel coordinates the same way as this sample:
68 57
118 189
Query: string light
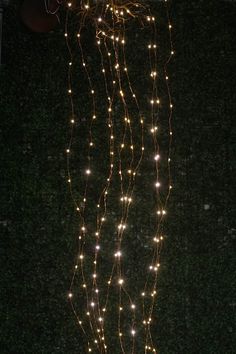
123 159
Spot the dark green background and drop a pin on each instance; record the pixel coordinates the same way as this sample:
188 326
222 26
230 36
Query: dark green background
196 308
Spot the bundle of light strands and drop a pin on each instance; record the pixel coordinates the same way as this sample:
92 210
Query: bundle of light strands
118 159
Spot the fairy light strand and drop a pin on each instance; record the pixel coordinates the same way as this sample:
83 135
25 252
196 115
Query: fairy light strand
110 23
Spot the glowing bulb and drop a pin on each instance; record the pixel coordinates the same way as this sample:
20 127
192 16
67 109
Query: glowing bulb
153 130
70 295
120 281
118 254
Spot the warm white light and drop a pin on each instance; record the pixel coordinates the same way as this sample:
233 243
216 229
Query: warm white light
118 254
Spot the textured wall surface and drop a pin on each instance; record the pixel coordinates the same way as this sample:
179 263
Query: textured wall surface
196 305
